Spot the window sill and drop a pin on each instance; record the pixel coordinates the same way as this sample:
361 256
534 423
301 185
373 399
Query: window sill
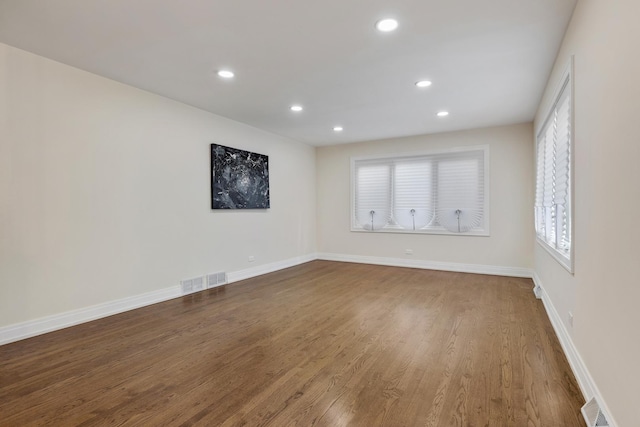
565 262
476 233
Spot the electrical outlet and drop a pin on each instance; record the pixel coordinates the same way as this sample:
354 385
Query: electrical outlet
251 258
408 251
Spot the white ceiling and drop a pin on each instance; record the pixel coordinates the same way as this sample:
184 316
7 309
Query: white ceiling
489 60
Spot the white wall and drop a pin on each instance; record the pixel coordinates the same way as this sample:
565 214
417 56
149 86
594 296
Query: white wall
105 192
604 291
511 201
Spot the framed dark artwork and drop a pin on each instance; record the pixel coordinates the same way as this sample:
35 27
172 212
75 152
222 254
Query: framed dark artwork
239 179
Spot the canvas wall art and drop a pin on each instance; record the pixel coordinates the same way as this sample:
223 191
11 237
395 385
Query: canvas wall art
239 179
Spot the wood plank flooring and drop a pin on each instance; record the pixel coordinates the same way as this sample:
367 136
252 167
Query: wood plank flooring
320 344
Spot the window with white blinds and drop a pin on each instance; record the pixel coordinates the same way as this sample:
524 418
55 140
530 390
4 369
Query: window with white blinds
443 193
553 213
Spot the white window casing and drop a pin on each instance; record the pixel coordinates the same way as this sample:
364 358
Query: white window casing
443 192
554 176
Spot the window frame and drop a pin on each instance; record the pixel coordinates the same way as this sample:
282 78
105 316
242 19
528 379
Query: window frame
484 232
566 82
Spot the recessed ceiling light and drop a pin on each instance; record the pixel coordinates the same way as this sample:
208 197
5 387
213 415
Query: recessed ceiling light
443 114
296 108
423 83
386 25
226 74
338 128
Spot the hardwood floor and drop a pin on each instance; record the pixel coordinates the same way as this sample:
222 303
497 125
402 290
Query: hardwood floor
322 344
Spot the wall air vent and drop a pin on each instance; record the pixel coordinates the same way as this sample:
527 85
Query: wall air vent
190 286
593 414
216 279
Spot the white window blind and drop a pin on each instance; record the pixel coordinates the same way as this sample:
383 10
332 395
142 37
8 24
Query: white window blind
430 193
461 200
373 205
414 199
553 178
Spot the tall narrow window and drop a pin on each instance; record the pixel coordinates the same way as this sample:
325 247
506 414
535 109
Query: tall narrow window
553 211
441 193
460 186
413 194
373 206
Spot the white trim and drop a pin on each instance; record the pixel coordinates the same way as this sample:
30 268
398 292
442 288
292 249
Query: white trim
430 265
248 273
566 80
586 383
434 230
555 254
31 328
567 74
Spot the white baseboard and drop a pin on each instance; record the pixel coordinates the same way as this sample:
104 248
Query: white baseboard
269 268
430 265
585 380
54 322
31 328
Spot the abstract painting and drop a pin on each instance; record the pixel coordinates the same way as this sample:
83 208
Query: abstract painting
239 179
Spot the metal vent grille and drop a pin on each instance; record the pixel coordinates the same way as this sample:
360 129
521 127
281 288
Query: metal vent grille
601 420
593 414
198 284
216 279
189 286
